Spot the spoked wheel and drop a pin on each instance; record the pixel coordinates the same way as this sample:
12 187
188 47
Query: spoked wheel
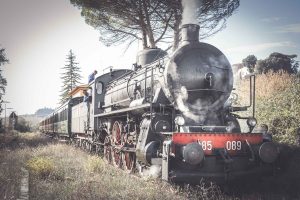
128 163
128 158
116 157
107 150
116 141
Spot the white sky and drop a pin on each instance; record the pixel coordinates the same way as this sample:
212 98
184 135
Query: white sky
38 34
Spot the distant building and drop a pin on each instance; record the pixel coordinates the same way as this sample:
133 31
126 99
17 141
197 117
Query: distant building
12 121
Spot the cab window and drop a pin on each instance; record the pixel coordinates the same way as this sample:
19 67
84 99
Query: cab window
99 87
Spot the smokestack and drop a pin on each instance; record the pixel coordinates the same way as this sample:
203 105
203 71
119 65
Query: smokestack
190 33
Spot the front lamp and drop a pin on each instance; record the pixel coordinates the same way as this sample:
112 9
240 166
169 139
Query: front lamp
179 120
251 122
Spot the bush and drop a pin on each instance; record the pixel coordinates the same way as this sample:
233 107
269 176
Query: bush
40 166
277 104
94 164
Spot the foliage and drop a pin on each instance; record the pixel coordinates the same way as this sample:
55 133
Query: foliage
277 103
94 164
250 62
40 166
150 21
3 81
277 62
70 77
3 58
22 125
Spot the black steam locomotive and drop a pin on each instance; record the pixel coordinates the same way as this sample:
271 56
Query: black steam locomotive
170 112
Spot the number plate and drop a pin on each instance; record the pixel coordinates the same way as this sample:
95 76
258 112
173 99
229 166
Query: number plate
229 146
234 143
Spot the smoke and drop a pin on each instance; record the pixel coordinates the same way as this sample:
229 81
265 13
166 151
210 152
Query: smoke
181 96
191 10
154 171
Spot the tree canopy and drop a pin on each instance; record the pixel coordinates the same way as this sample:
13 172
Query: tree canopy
150 21
3 81
3 58
276 62
250 62
70 77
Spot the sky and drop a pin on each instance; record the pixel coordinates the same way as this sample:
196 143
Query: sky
38 34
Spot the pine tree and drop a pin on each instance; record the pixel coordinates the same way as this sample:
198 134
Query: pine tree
3 82
70 77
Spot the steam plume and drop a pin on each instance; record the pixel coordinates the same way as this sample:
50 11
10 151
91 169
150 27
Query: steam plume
191 9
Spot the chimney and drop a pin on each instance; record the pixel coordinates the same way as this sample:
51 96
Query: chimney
190 33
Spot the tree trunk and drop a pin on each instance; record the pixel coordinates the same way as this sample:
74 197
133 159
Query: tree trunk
144 38
148 25
177 17
143 25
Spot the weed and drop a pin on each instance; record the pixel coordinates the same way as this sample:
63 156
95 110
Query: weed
40 166
94 164
277 104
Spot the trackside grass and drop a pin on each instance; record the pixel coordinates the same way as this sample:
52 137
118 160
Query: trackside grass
60 171
277 104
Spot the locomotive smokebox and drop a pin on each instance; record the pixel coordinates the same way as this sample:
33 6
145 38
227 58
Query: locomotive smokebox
190 33
198 78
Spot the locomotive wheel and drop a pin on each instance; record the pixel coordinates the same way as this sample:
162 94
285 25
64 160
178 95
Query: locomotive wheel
116 157
117 141
107 150
107 153
128 158
128 161
116 133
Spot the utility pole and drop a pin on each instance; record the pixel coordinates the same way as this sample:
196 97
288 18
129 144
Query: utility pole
5 102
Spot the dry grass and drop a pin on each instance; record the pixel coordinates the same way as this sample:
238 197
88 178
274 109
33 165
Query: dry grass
77 175
277 104
266 86
59 171
271 83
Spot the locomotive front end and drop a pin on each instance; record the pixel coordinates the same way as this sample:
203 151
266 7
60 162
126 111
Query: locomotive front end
208 141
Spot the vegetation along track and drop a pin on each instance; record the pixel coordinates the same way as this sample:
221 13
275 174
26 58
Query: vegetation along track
59 171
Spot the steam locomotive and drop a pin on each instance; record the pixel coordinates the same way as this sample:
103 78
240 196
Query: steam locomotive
171 112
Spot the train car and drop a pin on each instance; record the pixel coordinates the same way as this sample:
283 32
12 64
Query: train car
174 113
58 124
47 125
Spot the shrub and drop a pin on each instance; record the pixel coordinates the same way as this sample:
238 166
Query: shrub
277 104
40 166
94 164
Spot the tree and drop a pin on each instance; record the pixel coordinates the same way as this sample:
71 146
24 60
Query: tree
278 61
3 81
260 67
70 77
250 62
150 21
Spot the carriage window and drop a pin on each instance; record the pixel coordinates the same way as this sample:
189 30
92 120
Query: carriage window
99 87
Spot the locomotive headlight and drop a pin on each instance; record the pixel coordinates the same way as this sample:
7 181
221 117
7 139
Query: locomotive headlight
179 120
193 153
268 152
251 122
